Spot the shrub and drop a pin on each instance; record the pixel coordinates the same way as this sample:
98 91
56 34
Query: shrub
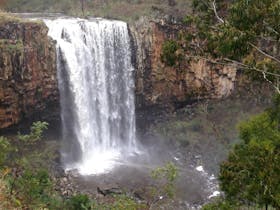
31 188
166 176
169 49
251 172
219 204
79 202
5 147
36 132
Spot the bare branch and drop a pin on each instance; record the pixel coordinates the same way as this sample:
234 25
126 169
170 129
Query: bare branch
216 13
210 60
251 68
230 62
276 87
270 28
264 53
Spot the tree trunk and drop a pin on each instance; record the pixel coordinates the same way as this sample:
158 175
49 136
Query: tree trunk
83 6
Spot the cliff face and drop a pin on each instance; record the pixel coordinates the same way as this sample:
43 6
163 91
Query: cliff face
28 82
160 85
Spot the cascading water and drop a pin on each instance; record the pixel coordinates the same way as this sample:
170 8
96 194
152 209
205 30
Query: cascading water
96 85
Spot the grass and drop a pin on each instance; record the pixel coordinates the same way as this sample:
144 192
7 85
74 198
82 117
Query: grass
6 17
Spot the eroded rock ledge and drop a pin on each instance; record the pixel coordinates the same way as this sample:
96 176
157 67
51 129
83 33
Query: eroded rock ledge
28 82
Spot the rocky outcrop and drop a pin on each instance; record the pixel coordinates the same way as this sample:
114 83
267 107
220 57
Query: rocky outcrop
28 82
192 78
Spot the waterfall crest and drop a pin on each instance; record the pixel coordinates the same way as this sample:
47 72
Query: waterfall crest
96 86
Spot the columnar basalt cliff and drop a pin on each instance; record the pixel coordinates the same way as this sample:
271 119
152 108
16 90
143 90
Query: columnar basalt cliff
160 85
28 82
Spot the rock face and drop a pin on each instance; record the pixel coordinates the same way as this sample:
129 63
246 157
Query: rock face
28 82
160 85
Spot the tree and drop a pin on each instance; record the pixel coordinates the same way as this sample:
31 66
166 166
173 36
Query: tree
165 177
241 33
83 7
251 173
5 148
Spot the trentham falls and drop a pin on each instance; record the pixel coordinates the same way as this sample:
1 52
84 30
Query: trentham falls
96 85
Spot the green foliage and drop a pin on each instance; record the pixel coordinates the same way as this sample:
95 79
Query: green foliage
274 112
219 204
79 202
169 49
27 185
249 34
36 132
258 17
229 42
120 202
175 131
5 148
251 173
31 188
262 64
166 176
169 172
117 9
203 18
11 46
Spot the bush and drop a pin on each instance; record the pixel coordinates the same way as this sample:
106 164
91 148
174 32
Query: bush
5 147
251 172
169 49
166 176
79 202
31 188
36 132
219 204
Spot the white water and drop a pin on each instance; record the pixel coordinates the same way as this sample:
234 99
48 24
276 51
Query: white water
96 86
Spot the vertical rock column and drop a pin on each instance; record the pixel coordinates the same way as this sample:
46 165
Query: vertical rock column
28 84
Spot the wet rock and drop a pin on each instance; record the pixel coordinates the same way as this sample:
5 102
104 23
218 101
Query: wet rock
109 191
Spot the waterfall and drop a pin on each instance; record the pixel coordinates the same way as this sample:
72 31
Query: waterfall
96 85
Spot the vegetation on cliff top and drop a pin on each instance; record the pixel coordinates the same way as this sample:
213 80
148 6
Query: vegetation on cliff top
119 9
6 17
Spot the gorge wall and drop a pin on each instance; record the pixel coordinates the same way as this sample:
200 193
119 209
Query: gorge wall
160 85
28 82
